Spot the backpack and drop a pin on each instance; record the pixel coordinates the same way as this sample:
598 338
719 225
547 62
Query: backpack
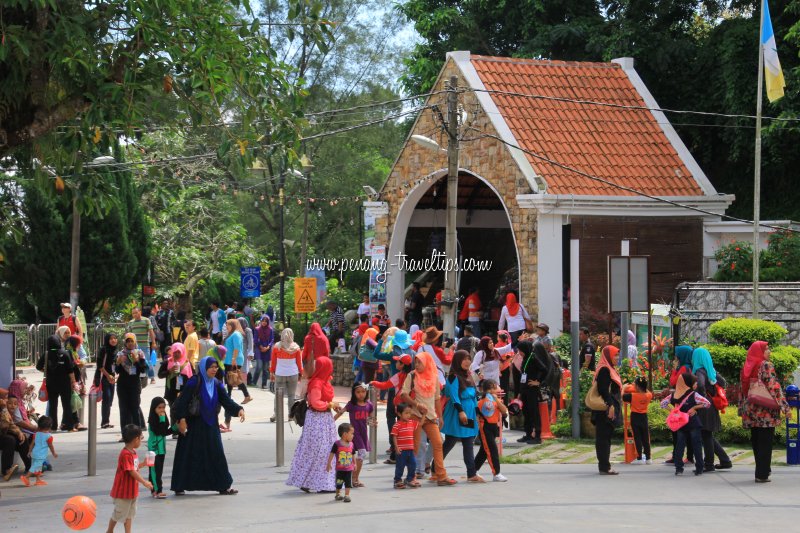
552 379
354 346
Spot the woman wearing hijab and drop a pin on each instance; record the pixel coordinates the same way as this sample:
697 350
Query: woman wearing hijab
366 353
416 335
319 433
514 315
179 372
247 335
200 462
421 391
19 416
285 367
633 352
104 376
60 378
707 381
761 421
460 413
130 364
262 342
315 345
533 370
609 385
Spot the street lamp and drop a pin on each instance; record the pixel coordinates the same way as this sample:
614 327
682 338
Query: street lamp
450 293
75 260
307 168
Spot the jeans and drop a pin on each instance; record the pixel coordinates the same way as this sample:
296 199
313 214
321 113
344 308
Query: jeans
476 327
467 444
423 454
761 440
641 434
431 429
261 368
489 433
289 384
108 399
712 447
405 459
693 435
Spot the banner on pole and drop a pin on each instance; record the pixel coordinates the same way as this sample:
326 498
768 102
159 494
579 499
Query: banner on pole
250 282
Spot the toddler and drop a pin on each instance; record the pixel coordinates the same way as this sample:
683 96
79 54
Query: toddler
342 454
42 442
640 399
403 442
125 490
491 409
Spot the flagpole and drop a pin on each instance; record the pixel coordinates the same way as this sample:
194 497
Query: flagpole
757 173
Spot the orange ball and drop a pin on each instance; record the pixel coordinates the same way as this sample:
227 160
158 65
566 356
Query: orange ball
79 512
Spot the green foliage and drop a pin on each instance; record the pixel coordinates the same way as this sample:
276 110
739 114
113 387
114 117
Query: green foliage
729 360
735 262
563 345
746 331
781 260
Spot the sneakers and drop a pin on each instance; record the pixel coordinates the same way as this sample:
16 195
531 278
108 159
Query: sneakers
338 497
679 472
524 439
648 462
500 477
638 462
347 499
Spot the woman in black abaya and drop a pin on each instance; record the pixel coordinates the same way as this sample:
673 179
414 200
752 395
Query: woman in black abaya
199 458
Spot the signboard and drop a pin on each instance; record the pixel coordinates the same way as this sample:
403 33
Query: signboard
322 289
372 211
628 278
148 290
7 359
305 295
377 281
250 284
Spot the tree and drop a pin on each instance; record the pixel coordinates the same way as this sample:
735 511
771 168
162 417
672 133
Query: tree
114 252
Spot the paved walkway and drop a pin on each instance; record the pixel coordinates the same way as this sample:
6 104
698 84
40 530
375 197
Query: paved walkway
538 497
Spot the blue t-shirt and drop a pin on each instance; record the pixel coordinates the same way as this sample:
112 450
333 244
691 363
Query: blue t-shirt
234 342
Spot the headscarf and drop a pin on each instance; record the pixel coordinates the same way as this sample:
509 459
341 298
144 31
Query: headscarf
605 362
463 376
180 362
217 353
488 355
702 359
287 343
264 332
17 388
631 338
244 324
416 336
157 427
684 355
425 382
387 344
208 392
511 304
681 386
316 338
413 330
756 355
499 343
321 379
370 334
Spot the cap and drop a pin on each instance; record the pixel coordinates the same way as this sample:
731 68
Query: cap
543 326
66 305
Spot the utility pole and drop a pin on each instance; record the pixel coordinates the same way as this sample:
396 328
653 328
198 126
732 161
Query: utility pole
75 261
307 168
282 271
757 173
450 294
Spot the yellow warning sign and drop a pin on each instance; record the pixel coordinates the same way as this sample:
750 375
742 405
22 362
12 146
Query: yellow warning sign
305 295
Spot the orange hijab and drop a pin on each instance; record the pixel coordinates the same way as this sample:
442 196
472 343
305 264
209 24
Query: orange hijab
370 334
752 365
426 381
511 304
605 362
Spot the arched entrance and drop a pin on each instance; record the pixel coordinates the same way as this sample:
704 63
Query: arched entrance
484 233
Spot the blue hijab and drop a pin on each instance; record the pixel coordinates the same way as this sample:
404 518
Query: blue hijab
684 355
208 393
702 359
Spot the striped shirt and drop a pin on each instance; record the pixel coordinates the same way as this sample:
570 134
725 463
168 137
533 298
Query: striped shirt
141 328
125 486
403 432
337 320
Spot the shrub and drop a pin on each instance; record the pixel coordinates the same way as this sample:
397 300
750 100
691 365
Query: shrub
785 359
745 331
563 345
735 262
781 260
729 360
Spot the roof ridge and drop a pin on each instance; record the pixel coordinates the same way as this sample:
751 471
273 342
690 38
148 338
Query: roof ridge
545 62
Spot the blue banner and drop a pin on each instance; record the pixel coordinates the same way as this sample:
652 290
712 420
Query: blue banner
250 284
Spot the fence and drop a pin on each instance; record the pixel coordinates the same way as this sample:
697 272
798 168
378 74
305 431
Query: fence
31 339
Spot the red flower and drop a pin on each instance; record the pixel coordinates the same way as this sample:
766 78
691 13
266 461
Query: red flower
733 266
737 248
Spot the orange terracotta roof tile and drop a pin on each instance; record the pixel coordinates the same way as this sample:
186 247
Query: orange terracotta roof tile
625 146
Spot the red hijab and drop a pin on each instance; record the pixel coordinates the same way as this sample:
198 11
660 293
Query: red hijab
605 362
321 379
316 338
511 304
756 355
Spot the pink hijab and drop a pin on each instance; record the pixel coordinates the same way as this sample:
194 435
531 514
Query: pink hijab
181 351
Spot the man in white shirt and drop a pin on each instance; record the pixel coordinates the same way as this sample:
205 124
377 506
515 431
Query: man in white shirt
364 307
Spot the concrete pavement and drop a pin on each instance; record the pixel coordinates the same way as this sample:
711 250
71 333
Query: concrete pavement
538 497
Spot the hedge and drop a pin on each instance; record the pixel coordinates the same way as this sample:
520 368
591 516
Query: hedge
745 331
729 360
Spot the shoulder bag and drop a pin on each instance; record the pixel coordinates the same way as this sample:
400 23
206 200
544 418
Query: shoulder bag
297 412
593 400
759 395
676 418
234 377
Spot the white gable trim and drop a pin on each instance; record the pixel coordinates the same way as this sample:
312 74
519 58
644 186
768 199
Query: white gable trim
666 126
464 64
617 206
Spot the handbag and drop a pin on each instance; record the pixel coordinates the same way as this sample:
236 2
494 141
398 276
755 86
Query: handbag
759 395
528 325
593 400
297 412
234 377
43 397
719 399
75 402
676 418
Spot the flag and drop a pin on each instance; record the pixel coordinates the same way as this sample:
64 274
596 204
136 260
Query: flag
773 75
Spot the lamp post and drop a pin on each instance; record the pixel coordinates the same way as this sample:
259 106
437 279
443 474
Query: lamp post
75 259
307 168
449 295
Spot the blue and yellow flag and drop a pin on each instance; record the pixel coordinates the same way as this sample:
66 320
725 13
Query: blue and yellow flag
773 75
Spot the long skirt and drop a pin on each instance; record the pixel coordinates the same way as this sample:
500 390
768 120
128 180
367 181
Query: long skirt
200 462
313 448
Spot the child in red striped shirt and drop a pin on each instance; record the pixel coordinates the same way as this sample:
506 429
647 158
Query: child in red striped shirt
403 441
125 490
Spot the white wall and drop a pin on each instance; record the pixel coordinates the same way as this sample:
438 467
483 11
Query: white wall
551 279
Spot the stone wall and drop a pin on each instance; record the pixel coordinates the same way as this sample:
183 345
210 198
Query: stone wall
342 370
704 303
485 157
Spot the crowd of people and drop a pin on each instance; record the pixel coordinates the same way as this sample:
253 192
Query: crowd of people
438 394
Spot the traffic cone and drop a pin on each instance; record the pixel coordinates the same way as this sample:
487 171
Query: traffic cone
543 416
553 411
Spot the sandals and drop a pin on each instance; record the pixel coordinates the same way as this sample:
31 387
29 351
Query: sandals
414 484
180 493
228 492
399 485
358 484
107 426
446 482
609 473
247 400
10 472
476 479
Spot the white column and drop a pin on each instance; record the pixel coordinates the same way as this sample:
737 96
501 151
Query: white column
550 278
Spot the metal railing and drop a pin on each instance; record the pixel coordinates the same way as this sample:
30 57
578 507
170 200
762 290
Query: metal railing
31 339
